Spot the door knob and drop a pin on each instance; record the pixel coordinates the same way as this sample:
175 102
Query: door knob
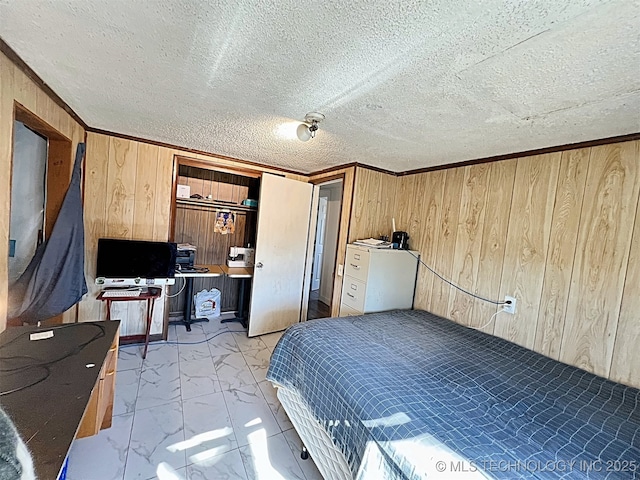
259 265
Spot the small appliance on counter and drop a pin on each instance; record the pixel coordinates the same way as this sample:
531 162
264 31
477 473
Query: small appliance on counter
186 257
241 257
400 240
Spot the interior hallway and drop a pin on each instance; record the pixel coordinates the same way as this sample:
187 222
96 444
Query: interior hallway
317 309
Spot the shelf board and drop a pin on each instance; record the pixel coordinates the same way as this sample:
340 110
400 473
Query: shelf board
214 204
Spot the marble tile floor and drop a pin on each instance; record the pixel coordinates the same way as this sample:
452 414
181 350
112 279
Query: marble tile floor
195 412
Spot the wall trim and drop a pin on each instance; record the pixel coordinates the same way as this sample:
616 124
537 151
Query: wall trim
262 166
220 167
376 169
320 181
528 153
508 156
27 70
128 339
331 169
352 164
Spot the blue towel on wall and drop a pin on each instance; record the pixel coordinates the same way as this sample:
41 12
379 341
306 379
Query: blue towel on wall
54 281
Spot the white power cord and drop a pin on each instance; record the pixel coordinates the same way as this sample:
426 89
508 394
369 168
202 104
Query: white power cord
184 284
490 320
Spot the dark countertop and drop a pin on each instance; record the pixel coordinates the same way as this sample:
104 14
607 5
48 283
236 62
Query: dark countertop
47 413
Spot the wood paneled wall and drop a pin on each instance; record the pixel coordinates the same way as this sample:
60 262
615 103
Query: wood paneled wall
15 86
127 195
373 201
128 190
560 232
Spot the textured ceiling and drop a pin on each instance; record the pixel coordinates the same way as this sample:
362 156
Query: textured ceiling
403 84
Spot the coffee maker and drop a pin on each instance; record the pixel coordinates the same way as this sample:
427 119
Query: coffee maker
400 240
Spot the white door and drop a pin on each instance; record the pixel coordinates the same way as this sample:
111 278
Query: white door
281 248
317 260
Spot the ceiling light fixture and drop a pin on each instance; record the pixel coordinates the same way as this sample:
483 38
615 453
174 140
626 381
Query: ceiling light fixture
307 130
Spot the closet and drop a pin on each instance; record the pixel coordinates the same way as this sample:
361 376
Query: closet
195 218
278 228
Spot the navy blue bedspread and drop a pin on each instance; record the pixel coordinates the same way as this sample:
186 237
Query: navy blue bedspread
408 394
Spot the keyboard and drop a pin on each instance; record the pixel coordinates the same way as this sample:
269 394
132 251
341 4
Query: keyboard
121 293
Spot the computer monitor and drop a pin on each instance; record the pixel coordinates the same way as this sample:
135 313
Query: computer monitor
127 259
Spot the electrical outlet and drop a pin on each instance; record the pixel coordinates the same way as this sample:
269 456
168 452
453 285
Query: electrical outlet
510 304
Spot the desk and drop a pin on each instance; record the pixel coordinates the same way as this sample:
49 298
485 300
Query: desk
243 274
150 295
214 271
47 414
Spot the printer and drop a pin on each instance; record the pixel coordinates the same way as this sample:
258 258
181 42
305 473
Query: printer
241 257
185 257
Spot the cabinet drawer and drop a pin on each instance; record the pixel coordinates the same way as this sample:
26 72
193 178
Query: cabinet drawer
346 311
357 264
353 293
106 399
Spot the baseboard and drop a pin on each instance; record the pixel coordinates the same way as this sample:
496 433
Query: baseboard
127 339
326 301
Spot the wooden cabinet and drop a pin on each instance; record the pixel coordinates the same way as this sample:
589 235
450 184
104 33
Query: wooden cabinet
99 412
376 280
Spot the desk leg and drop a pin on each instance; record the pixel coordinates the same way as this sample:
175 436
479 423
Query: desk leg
188 306
187 302
150 304
241 304
108 310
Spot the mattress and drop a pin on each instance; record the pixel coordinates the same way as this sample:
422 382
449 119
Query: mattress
407 394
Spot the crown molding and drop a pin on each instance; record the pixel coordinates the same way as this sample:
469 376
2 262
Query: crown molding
28 71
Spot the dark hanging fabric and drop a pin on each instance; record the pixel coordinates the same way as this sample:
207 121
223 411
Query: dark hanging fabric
54 280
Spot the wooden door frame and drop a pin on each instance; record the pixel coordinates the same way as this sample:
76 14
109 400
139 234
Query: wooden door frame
346 175
57 174
315 264
59 162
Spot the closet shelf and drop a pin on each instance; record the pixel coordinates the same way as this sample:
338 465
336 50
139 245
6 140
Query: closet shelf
214 204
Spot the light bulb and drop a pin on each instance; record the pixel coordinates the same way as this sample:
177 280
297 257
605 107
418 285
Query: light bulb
303 132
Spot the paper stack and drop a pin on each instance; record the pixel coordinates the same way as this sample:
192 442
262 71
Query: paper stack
373 243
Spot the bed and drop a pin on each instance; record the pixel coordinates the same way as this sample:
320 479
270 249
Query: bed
410 395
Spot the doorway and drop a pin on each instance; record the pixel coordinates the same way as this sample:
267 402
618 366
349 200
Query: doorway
41 169
325 249
28 203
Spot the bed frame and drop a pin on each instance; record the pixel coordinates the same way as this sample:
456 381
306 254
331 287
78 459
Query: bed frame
330 461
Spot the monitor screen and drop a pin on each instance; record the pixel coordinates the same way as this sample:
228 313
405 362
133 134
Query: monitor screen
134 258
